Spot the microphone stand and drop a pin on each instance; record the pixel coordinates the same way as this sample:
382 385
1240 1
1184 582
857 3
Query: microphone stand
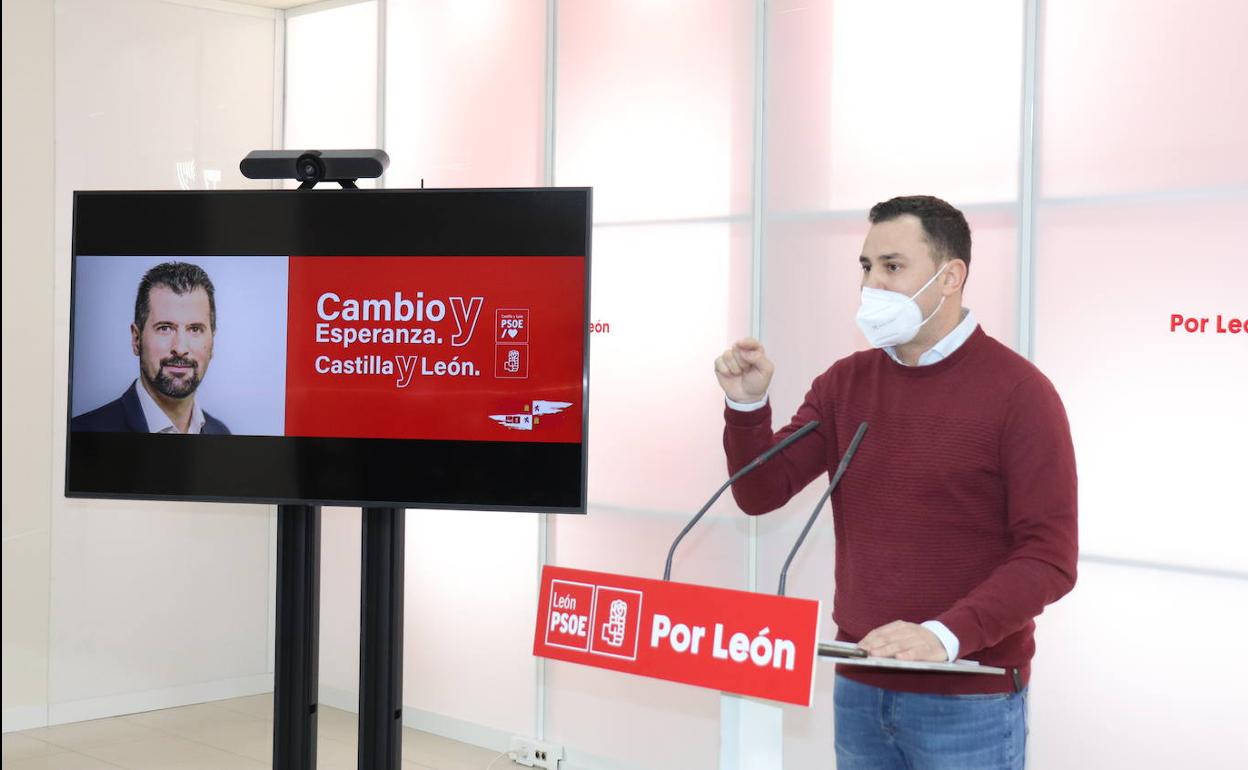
753 465
836 479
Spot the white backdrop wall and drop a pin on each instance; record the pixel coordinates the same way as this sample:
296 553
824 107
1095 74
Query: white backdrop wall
1140 171
154 604
29 116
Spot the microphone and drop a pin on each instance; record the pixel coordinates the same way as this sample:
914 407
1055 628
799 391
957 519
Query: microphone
836 479
749 468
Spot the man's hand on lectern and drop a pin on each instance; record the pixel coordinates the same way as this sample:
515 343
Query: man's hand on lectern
744 371
904 641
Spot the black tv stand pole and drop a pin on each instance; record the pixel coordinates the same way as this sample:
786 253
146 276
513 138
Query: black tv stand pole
297 661
297 642
381 639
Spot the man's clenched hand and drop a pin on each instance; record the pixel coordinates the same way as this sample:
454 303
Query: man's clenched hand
744 371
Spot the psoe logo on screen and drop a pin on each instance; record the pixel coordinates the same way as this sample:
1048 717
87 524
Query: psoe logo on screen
511 362
511 324
1219 324
530 417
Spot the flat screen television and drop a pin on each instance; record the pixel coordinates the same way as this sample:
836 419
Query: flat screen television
396 348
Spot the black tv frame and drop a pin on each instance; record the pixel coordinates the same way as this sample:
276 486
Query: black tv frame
455 222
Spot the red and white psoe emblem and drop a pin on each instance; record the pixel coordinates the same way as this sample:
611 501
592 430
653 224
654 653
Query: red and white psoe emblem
570 606
752 644
511 362
511 343
617 622
511 326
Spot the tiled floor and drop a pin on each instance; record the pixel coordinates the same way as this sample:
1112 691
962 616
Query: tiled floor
223 735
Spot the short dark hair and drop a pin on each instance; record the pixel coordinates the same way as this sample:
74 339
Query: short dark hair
946 229
180 278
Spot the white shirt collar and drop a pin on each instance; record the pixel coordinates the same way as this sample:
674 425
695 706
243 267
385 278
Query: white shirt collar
158 421
949 343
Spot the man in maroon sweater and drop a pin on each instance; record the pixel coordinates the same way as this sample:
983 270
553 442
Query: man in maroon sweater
956 521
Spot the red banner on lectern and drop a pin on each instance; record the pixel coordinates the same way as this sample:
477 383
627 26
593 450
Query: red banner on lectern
746 643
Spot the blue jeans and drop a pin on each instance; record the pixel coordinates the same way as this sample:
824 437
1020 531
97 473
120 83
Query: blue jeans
888 730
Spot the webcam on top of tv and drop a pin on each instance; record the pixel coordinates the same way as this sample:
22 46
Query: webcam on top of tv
312 167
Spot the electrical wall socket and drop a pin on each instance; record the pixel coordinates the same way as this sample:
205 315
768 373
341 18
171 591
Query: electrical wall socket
533 753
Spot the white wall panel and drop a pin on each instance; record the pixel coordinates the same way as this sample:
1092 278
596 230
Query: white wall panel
153 596
655 106
465 92
148 596
1135 669
472 582
340 600
870 99
1142 96
1155 414
159 95
675 296
29 125
331 78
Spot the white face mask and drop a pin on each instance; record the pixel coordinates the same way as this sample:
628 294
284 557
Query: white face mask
890 318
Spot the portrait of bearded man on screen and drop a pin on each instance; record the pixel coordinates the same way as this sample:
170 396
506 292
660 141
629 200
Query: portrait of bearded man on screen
172 335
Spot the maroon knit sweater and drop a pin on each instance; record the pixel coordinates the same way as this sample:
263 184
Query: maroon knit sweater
959 505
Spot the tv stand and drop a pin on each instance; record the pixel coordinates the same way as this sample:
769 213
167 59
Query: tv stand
297 648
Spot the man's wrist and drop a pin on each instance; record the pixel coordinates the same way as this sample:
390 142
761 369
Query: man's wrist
750 407
946 637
